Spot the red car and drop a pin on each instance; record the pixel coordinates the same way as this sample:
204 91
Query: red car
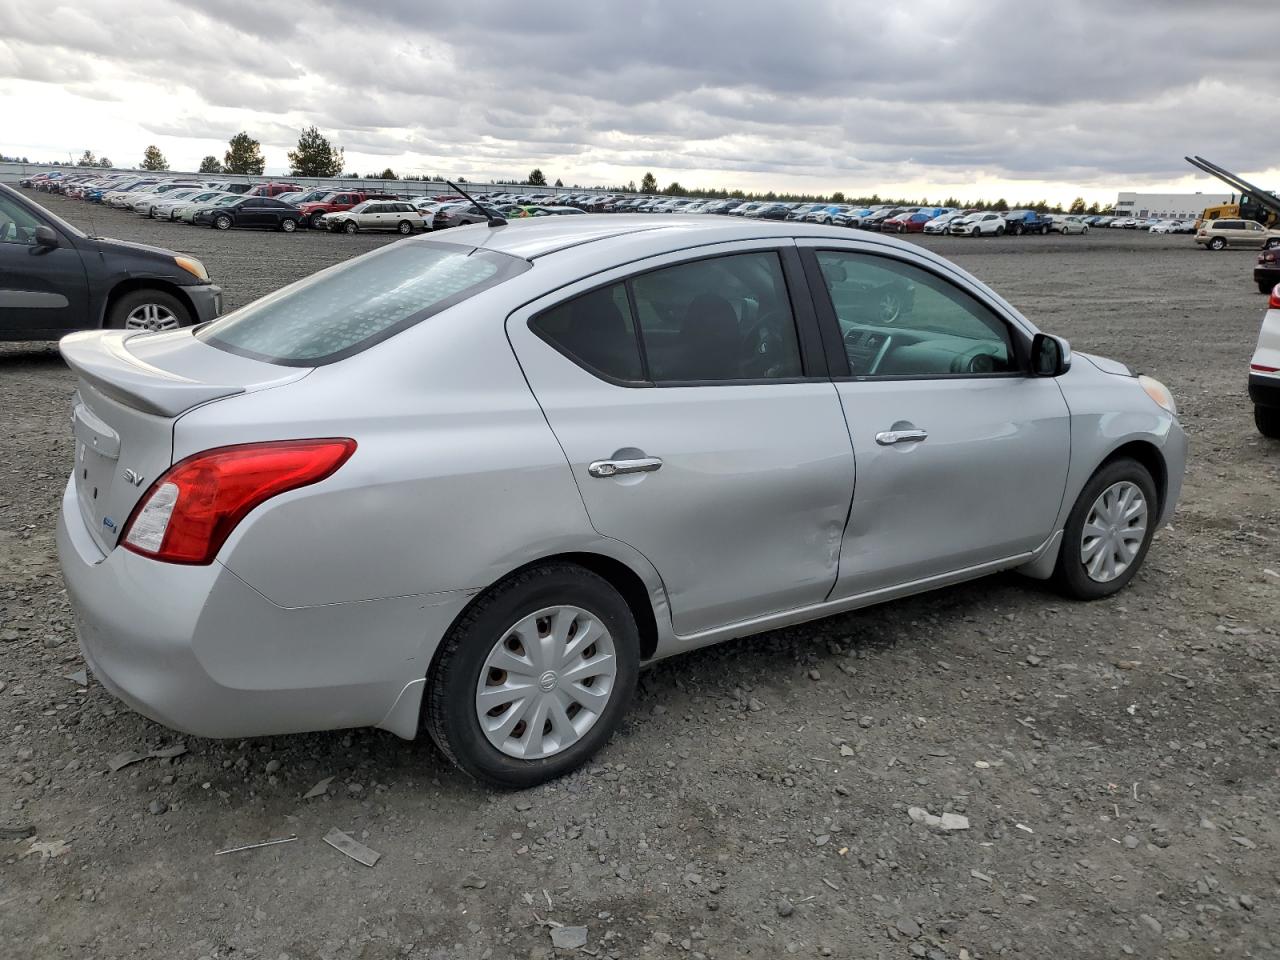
906 223
336 202
273 189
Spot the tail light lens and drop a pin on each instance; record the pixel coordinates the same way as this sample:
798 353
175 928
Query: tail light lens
192 508
1274 302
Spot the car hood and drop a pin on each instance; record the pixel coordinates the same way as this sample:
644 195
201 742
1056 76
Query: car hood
109 245
1106 364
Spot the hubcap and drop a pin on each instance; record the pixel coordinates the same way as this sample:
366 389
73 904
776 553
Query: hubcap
546 682
890 307
1113 531
151 316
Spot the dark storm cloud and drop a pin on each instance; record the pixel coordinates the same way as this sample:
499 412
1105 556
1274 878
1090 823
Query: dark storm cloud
1086 91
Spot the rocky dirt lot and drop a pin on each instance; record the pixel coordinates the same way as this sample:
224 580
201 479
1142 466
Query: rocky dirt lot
1116 762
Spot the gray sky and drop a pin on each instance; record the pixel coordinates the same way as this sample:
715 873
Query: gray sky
1016 98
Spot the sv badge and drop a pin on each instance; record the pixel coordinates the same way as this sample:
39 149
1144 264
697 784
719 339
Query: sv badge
133 477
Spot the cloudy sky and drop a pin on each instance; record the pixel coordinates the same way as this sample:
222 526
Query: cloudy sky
984 98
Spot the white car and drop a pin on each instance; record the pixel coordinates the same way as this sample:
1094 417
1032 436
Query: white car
1264 371
1068 223
988 223
397 215
145 205
943 222
156 190
169 207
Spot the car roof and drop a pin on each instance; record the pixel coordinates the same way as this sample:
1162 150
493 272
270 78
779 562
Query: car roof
537 237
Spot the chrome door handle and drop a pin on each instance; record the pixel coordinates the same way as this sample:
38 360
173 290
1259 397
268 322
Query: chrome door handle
887 438
615 468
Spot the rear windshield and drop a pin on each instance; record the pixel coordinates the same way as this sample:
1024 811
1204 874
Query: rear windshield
348 308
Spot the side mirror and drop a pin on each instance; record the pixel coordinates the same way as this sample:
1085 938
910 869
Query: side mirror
46 237
1050 356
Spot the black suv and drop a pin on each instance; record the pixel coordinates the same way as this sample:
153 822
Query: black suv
55 279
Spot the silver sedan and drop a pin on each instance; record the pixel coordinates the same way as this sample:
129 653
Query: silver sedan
470 487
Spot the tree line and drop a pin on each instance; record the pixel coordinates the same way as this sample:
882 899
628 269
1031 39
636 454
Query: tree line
316 156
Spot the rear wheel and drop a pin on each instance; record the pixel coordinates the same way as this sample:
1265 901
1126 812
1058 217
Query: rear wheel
1264 287
534 678
1267 420
1000 231
1108 531
149 310
288 225
405 227
1273 243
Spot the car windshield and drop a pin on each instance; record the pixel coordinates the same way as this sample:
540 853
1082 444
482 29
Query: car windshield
348 308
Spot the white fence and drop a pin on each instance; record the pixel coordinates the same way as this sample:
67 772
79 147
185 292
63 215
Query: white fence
11 173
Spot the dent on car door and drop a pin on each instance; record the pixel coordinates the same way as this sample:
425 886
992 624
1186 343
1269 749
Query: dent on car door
962 455
697 429
43 289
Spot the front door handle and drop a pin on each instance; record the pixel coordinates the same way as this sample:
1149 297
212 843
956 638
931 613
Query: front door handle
887 438
616 468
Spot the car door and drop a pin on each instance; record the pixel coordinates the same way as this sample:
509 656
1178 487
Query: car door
43 289
697 429
961 455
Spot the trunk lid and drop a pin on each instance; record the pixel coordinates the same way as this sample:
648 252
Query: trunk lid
133 387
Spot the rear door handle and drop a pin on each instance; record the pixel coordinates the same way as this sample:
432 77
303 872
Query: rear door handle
616 468
887 438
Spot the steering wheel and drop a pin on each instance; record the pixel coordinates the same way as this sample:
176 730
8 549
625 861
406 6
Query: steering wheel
760 345
984 358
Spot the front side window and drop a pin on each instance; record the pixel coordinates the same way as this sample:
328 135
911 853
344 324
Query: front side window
350 307
16 224
898 320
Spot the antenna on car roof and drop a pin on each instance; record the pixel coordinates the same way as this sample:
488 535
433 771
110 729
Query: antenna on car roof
495 220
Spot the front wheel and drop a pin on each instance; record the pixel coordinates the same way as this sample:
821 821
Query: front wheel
999 231
1267 420
1217 243
534 677
350 227
148 310
1083 231
222 223
1108 531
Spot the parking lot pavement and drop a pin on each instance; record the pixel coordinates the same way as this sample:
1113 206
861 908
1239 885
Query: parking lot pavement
1116 761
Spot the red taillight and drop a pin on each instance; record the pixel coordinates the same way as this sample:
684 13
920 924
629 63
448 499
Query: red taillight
192 508
1274 302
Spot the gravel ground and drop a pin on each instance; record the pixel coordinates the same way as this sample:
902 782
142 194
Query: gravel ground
1116 761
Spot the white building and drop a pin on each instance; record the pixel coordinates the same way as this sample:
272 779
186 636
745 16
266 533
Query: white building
1170 205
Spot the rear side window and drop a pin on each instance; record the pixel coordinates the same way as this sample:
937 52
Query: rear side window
348 308
597 331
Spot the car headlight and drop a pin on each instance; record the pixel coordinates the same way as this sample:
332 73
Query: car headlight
193 266
1158 392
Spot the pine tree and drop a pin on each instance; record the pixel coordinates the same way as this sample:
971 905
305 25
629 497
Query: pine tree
153 159
649 183
315 156
244 155
210 164
536 178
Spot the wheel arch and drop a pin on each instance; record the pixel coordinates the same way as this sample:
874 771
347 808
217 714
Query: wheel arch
132 284
638 595
1149 455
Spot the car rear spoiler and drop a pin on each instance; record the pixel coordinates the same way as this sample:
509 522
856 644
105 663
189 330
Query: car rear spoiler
100 358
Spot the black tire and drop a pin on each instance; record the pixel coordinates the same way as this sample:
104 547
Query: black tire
1044 231
1070 575
1017 229
1267 420
1084 230
405 227
288 225
1265 288
131 301
1273 244
999 231
222 222
351 227
1217 243
448 712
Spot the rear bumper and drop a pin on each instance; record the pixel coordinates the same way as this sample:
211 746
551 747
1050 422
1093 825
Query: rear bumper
197 649
1264 390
